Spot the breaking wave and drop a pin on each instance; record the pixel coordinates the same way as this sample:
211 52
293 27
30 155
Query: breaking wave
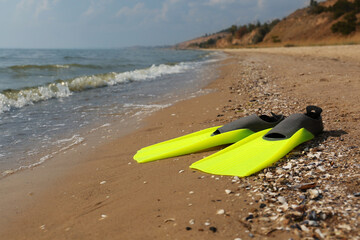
12 98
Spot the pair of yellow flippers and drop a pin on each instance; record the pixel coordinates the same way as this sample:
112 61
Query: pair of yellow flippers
260 141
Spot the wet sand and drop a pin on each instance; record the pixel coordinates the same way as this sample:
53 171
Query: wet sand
101 193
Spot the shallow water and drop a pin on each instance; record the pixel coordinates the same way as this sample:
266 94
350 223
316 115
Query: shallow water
47 97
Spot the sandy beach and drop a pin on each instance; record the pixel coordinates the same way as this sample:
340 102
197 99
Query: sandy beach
102 193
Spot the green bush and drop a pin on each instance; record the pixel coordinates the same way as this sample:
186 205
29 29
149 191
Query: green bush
343 27
275 39
341 7
209 43
350 17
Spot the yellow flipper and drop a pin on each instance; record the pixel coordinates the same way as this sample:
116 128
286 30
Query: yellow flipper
264 148
208 138
250 155
190 143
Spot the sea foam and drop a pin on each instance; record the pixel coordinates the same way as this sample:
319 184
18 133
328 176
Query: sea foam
64 88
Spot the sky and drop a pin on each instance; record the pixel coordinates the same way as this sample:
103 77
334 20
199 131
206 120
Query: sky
123 23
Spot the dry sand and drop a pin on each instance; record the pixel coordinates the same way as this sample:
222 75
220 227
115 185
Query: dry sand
101 193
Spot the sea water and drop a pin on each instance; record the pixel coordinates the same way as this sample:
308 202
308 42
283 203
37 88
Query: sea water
49 96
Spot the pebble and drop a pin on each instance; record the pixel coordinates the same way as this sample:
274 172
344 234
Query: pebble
236 178
103 182
262 205
169 220
192 221
321 168
251 216
321 235
312 215
287 167
213 229
313 193
228 191
344 226
220 212
313 223
268 175
304 228
282 200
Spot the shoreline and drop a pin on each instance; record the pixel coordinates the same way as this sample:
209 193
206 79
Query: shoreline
109 195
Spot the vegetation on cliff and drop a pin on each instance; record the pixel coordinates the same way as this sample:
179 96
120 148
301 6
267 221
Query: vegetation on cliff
343 9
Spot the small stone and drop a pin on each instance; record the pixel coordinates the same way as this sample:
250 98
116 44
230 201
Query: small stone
296 216
287 166
237 239
321 168
192 221
251 216
103 182
313 193
357 194
282 200
181 171
236 179
207 223
262 205
304 228
213 229
314 155
344 226
313 223
295 226
284 207
220 212
169 220
251 235
264 219
312 215
188 228
268 175
323 216
319 233
303 197
191 192
228 191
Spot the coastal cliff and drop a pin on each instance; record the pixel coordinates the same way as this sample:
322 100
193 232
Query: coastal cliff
328 22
